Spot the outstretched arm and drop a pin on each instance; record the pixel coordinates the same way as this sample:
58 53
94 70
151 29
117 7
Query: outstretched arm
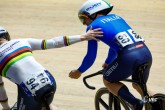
68 40
63 41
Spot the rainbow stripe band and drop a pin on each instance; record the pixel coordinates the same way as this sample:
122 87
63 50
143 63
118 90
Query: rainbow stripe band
12 58
43 44
66 41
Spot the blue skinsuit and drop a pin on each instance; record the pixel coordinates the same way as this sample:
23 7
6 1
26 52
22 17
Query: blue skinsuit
118 35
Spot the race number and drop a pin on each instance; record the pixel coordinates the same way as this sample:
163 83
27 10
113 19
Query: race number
135 36
124 39
36 82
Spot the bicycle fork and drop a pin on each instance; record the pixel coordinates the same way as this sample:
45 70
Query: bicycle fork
111 100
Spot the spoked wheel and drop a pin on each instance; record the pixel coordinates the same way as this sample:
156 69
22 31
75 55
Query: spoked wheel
108 101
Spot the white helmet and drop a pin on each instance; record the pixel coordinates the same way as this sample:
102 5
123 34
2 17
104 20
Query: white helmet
93 6
4 34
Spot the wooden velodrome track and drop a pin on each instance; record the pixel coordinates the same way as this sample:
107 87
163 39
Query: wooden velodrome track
51 18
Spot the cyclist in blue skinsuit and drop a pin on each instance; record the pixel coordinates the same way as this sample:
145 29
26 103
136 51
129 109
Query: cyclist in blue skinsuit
127 50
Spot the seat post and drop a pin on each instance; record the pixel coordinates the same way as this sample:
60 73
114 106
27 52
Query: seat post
141 74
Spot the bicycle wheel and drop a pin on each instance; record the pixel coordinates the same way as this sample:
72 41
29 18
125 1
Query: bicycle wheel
108 101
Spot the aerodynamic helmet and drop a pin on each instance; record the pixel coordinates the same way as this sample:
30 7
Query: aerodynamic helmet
91 7
4 34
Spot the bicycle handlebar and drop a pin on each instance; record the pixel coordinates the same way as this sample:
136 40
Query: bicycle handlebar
89 76
98 73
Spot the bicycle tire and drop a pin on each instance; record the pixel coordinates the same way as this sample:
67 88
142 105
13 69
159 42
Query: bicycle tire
119 102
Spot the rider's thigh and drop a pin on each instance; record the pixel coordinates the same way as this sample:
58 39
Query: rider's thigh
117 71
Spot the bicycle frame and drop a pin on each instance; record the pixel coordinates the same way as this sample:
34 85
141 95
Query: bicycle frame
112 98
146 97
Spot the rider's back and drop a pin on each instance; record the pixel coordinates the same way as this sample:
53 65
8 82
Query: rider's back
17 60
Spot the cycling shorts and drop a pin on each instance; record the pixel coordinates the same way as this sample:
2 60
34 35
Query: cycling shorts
25 102
125 65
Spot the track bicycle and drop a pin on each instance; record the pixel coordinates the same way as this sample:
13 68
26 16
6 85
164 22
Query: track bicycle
112 102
